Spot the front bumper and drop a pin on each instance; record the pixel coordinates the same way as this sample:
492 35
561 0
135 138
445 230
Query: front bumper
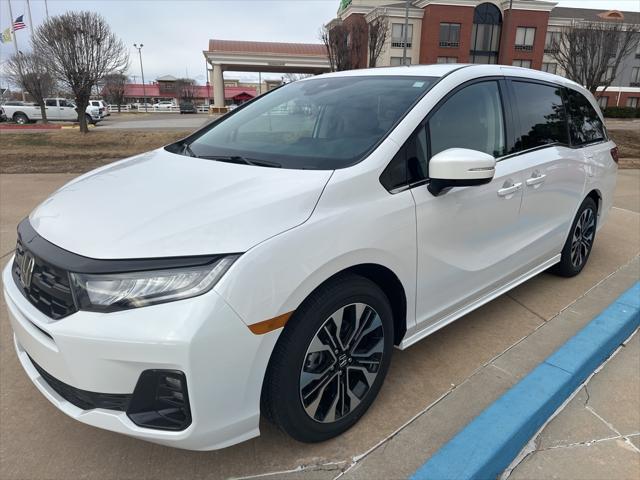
224 363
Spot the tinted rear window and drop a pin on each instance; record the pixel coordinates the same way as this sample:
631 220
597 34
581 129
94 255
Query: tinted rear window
542 115
585 125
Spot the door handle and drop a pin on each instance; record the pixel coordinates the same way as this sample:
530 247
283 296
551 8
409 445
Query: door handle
536 180
506 191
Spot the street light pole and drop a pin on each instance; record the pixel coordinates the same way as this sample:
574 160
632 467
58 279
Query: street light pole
144 90
406 31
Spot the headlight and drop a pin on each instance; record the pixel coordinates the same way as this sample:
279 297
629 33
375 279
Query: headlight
120 291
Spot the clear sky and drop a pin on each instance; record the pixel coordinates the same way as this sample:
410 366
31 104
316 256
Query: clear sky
175 32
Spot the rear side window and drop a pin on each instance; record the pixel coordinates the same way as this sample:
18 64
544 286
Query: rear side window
542 115
471 118
50 103
585 125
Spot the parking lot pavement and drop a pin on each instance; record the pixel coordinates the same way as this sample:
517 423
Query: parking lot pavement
471 361
597 435
155 121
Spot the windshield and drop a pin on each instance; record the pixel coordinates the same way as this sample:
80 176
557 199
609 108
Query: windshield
323 123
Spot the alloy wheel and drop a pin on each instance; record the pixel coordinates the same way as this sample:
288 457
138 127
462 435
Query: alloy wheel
342 363
582 238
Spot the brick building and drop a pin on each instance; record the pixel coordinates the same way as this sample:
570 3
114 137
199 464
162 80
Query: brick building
476 31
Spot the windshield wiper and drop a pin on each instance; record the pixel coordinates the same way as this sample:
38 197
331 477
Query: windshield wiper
241 160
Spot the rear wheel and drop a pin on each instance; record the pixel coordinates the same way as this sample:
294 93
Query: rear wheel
20 118
330 361
578 246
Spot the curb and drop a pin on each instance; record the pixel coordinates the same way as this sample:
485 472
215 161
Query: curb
489 443
44 126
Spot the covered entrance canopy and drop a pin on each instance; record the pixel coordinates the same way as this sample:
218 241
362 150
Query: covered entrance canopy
241 56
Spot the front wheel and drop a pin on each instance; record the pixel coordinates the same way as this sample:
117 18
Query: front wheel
330 361
577 248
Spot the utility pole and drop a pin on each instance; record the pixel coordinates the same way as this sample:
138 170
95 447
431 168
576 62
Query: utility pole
46 8
30 21
15 45
406 31
144 88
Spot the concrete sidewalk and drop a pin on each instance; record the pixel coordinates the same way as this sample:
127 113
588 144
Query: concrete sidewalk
597 434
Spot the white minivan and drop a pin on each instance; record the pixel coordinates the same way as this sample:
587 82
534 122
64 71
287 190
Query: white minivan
269 263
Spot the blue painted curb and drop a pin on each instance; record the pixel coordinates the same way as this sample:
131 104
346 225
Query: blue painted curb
490 442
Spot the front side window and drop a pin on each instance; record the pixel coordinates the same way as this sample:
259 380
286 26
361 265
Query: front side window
522 63
525 37
449 35
585 125
409 165
63 103
323 123
471 118
542 115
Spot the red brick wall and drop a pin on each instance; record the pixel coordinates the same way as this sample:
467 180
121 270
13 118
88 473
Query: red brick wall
523 18
613 98
430 38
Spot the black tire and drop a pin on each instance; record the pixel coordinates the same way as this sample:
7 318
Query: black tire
282 393
20 118
89 119
579 243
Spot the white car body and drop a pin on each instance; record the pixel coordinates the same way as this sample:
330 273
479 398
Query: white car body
164 105
58 109
451 254
101 104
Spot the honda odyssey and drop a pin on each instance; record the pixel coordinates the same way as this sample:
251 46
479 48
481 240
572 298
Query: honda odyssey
269 263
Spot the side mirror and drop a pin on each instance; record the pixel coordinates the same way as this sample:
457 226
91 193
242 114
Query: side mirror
459 167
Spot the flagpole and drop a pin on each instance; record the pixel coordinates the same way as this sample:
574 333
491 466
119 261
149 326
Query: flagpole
30 21
15 43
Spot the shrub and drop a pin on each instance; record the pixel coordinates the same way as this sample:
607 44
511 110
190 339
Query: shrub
622 112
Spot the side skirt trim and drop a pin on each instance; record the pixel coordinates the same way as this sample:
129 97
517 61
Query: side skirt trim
443 322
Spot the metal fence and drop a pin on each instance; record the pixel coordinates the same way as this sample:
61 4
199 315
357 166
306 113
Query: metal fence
152 108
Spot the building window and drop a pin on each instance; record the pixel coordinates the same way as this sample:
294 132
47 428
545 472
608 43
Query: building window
447 60
635 77
632 102
608 76
450 35
485 35
524 38
638 51
550 67
552 42
397 61
397 35
603 101
522 63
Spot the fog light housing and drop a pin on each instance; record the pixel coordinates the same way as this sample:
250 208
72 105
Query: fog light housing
161 401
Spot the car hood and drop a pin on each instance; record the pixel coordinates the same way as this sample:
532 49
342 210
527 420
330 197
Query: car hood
160 204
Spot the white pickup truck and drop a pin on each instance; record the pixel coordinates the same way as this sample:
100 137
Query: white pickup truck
57 109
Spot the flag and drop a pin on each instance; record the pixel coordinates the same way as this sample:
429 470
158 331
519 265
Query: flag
18 24
6 36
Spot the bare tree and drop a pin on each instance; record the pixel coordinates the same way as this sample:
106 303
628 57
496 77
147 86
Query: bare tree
378 35
113 90
29 72
590 53
81 49
294 77
185 89
345 44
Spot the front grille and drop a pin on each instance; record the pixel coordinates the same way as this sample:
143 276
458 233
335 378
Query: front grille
49 290
82 398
